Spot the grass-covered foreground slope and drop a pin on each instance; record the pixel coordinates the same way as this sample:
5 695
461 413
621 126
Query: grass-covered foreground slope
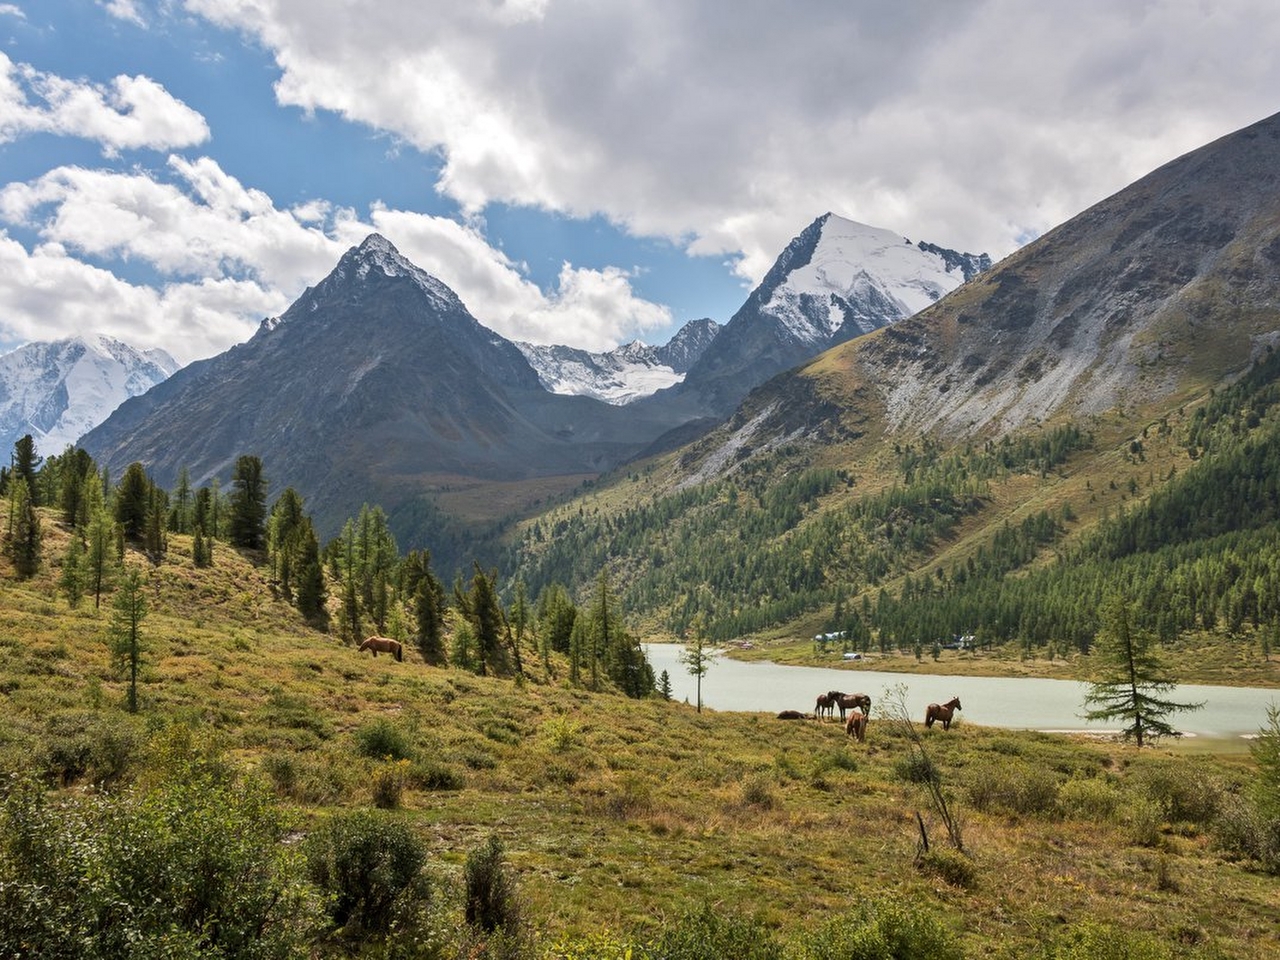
623 822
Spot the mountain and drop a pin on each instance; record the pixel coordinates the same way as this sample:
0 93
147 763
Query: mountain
377 386
58 390
837 280
620 375
1113 388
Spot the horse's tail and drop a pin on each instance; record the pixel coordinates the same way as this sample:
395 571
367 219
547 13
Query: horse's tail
399 652
928 719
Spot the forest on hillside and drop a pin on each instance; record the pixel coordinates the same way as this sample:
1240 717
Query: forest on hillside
756 550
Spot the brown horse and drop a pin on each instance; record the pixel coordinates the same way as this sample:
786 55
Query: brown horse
852 701
826 703
378 645
943 712
856 725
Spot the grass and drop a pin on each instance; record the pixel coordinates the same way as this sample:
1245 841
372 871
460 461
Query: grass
617 815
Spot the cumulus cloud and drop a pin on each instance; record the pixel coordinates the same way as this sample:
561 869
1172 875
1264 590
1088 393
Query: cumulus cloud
128 113
228 257
974 125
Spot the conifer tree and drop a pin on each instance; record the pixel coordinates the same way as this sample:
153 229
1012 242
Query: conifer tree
200 553
248 520
23 537
183 503
154 540
124 632
1130 681
479 606
101 559
310 574
132 501
25 464
428 606
73 572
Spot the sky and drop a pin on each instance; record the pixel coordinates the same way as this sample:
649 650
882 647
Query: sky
585 172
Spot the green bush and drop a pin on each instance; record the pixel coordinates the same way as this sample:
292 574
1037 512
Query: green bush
371 865
491 900
1089 940
879 930
381 739
1181 790
916 767
1088 799
88 745
703 933
1245 828
1013 786
190 866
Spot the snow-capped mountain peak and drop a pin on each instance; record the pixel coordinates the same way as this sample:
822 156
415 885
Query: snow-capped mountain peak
627 372
845 272
59 390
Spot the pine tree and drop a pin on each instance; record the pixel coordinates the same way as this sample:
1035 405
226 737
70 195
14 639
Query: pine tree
25 464
698 655
154 539
311 593
199 550
124 632
183 503
247 524
664 685
132 500
1131 680
73 572
479 605
428 607
101 560
23 538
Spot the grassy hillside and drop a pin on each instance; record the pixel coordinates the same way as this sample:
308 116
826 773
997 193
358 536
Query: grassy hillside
634 822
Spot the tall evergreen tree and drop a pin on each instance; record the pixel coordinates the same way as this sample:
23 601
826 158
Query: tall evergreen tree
698 655
124 632
23 538
25 464
73 571
132 501
183 503
154 539
101 559
479 605
310 574
1130 682
428 606
247 526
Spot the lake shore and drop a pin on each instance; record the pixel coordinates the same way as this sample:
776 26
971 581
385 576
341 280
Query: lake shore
1216 664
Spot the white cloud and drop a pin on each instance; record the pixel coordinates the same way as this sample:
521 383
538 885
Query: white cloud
126 10
128 113
972 124
11 10
230 257
46 295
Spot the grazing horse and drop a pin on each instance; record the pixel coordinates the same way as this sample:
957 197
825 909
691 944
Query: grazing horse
856 725
943 712
854 701
826 703
383 645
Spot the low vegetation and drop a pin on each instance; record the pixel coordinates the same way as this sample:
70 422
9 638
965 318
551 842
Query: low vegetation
279 794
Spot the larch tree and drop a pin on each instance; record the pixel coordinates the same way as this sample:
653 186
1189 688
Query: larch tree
124 632
1131 684
698 654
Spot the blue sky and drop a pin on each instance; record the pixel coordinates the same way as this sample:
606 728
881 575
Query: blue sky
580 171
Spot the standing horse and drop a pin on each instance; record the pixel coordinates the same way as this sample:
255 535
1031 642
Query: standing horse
854 701
941 712
825 705
377 644
856 725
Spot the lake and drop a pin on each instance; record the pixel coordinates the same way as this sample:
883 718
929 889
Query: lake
1012 702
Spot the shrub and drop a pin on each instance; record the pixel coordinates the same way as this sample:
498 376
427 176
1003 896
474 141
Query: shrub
388 784
1183 793
916 767
1245 828
1014 786
433 775
1089 940
879 929
1088 799
190 866
698 934
491 901
370 863
953 867
83 744
381 739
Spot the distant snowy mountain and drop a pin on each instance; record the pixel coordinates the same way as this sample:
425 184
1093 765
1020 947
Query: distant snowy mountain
57 391
625 373
835 281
